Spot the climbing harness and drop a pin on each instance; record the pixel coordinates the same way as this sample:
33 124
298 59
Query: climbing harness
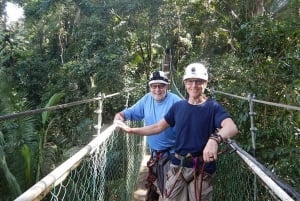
196 159
198 169
152 194
197 162
155 172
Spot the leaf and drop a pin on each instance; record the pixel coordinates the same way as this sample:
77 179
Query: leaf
53 101
9 179
26 153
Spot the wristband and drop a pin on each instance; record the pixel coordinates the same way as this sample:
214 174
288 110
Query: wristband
215 139
221 138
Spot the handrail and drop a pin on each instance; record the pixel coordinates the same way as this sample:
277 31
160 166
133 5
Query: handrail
36 111
260 101
63 170
266 176
62 106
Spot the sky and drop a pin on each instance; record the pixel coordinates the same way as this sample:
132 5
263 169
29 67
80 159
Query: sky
13 12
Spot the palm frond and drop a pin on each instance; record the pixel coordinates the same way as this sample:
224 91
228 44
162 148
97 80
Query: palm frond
11 181
53 101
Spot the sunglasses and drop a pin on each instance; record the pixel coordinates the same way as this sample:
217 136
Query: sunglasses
196 81
159 86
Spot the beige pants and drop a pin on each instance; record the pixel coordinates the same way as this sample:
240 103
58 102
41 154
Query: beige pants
183 187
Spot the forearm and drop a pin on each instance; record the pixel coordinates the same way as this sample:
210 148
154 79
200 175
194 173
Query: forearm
149 130
145 131
228 129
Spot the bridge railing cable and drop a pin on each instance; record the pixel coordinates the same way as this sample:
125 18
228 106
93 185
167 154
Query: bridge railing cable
106 168
61 106
58 174
259 101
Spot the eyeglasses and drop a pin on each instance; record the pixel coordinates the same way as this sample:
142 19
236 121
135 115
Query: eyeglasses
159 86
196 81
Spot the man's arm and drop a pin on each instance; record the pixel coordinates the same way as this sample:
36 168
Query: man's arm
228 130
148 130
135 112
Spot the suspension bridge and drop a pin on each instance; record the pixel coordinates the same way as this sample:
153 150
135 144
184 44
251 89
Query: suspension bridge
108 166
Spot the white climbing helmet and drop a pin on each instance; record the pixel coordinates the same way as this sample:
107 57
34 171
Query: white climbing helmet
158 77
195 70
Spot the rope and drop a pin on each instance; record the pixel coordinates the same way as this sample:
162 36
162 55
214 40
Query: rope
57 107
239 97
62 106
260 101
36 111
201 183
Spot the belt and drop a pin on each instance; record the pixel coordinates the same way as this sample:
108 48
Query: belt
186 157
161 151
189 156
189 160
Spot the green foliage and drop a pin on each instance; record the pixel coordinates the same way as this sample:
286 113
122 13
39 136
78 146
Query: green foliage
26 153
82 48
9 183
18 143
54 100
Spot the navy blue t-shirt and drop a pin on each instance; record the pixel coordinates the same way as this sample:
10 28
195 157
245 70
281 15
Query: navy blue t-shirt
193 125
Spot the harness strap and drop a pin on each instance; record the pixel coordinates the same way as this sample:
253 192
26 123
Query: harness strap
201 183
152 190
163 150
182 158
154 159
177 176
195 168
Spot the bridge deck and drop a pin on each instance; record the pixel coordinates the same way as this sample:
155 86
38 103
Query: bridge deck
140 193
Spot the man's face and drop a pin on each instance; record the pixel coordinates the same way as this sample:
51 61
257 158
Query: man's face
158 91
195 87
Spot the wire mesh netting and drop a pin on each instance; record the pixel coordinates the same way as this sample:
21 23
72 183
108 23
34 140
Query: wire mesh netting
235 182
109 173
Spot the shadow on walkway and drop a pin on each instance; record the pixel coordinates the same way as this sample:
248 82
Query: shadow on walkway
140 193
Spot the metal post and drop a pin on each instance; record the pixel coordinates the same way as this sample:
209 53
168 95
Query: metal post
99 112
127 99
96 152
212 92
253 130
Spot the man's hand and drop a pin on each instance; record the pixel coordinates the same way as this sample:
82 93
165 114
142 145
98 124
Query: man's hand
210 152
119 116
121 125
